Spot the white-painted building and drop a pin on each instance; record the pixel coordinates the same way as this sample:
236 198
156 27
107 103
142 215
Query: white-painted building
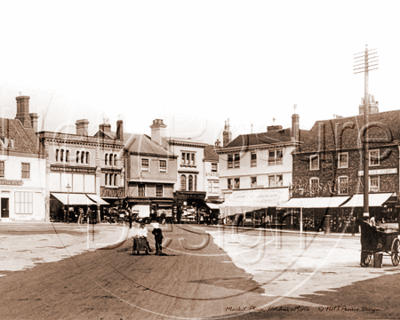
22 167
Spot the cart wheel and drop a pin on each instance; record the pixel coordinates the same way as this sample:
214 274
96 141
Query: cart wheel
395 252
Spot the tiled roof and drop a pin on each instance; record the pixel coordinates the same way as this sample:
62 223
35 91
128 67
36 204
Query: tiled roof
343 133
269 137
143 145
24 139
209 154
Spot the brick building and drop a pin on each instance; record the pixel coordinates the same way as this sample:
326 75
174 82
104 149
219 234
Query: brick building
328 170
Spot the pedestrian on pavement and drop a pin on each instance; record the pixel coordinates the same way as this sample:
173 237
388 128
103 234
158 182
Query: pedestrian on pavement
353 225
158 237
81 214
88 214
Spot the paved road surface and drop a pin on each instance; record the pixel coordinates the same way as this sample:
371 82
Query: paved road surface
198 279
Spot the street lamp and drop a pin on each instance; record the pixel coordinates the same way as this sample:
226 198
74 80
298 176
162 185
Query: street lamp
68 187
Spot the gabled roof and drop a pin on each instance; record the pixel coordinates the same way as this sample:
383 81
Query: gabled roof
264 138
209 154
342 133
142 145
24 139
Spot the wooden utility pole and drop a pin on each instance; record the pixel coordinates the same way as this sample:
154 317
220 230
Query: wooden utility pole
363 62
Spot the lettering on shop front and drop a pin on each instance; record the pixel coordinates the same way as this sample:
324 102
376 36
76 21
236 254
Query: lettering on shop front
111 193
6 182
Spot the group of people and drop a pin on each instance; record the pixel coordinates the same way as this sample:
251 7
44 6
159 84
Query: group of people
142 232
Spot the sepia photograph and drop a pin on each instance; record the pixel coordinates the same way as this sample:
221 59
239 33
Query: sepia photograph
199 160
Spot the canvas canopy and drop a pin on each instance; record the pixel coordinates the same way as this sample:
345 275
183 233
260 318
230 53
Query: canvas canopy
317 202
374 199
250 200
74 199
97 199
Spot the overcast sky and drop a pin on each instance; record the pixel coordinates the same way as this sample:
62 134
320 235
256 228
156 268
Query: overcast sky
195 63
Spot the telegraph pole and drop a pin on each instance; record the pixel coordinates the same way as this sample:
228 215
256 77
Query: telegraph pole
363 62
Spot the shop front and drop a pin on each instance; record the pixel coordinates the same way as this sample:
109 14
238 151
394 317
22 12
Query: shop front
190 206
253 207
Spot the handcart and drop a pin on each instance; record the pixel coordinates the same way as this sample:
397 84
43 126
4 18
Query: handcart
380 240
139 244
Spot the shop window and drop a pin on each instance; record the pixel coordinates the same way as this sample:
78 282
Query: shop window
23 202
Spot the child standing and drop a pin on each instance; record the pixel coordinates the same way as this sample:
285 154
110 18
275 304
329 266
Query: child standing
158 237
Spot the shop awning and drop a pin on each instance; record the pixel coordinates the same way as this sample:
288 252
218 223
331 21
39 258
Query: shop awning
98 200
317 202
74 199
250 200
143 211
375 200
212 205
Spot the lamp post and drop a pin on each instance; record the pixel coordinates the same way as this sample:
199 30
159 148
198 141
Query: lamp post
68 187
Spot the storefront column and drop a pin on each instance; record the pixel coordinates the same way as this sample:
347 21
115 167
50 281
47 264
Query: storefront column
327 222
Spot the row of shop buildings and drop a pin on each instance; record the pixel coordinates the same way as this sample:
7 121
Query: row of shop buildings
313 179
48 176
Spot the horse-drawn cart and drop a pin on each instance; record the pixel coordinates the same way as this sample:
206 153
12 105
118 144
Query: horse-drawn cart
375 240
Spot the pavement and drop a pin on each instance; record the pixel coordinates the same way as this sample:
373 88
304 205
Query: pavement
276 273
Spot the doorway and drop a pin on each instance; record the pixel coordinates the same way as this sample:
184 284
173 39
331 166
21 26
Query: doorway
5 213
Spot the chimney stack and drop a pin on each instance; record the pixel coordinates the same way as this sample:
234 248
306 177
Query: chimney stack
227 134
295 132
23 111
120 130
158 131
82 127
372 105
34 121
105 127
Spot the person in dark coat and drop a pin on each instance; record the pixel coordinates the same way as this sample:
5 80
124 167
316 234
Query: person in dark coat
370 240
158 237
